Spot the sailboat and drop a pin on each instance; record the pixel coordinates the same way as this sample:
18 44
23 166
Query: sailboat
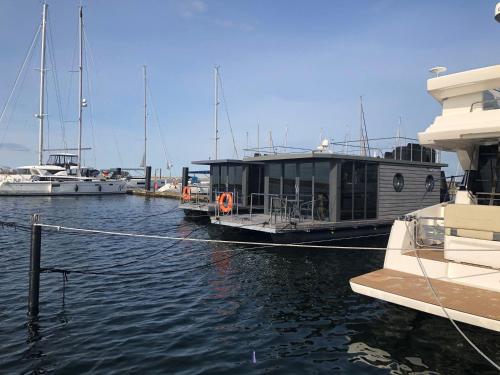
63 173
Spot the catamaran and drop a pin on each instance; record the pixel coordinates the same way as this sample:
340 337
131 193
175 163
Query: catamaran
63 173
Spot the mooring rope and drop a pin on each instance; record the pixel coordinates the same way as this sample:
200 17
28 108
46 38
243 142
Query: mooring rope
445 311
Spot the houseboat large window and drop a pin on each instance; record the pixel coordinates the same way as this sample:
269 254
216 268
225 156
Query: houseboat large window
346 198
305 188
322 190
358 190
289 175
371 190
256 185
215 179
234 180
359 184
274 178
223 178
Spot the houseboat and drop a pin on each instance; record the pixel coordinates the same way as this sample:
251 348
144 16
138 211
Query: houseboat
321 194
445 259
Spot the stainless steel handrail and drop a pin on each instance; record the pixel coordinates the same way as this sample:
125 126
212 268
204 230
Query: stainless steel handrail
483 102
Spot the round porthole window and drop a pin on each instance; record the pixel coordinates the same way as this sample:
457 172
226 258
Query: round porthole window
398 182
429 183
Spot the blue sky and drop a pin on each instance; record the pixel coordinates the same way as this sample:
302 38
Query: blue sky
301 65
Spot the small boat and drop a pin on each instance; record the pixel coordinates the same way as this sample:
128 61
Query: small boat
445 259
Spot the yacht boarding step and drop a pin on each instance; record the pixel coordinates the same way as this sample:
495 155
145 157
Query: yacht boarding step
463 303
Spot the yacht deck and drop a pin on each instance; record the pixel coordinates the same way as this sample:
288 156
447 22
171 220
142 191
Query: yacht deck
458 297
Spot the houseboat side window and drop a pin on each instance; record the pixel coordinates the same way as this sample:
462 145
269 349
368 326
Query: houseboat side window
305 188
234 180
256 185
398 182
429 183
215 179
346 198
274 178
371 190
322 190
223 178
358 190
289 174
358 186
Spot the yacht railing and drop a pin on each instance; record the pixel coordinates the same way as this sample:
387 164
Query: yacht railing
492 199
486 108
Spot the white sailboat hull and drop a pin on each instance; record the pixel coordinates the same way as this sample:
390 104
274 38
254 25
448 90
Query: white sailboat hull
54 188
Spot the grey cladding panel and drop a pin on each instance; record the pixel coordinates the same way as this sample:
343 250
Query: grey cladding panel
392 204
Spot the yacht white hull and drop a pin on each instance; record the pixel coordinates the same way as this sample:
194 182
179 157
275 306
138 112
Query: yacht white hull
54 188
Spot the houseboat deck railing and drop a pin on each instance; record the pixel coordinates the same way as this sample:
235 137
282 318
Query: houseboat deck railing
195 198
398 148
281 208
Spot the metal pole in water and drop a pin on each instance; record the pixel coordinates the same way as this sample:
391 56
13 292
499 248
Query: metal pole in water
34 277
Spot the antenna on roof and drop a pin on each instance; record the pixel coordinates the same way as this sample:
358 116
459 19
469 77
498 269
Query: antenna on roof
437 70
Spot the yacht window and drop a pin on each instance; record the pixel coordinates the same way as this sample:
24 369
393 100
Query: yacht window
398 182
485 182
429 183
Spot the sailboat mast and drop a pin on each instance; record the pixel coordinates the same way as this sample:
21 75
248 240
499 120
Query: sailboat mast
145 116
80 90
41 113
216 110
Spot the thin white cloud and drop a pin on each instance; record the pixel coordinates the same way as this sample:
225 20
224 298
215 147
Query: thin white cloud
192 8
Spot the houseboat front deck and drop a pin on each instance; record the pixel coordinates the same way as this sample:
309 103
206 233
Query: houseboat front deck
273 225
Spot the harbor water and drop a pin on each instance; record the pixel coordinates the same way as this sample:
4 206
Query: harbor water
158 306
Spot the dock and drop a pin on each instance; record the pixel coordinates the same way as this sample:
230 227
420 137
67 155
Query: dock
155 194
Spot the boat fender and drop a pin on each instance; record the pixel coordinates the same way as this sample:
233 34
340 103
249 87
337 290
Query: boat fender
186 193
99 188
76 188
226 202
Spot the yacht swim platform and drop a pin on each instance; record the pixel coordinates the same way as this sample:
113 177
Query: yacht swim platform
463 303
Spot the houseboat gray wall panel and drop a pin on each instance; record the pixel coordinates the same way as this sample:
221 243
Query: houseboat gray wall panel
266 188
413 196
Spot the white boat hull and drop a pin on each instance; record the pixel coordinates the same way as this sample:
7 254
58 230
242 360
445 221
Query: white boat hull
54 188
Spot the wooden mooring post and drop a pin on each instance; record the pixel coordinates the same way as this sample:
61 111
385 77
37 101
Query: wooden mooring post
34 282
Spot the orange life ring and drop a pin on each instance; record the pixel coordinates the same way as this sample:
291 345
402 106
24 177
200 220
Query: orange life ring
186 193
226 202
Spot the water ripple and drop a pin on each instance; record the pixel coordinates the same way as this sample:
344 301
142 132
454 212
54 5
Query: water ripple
294 308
